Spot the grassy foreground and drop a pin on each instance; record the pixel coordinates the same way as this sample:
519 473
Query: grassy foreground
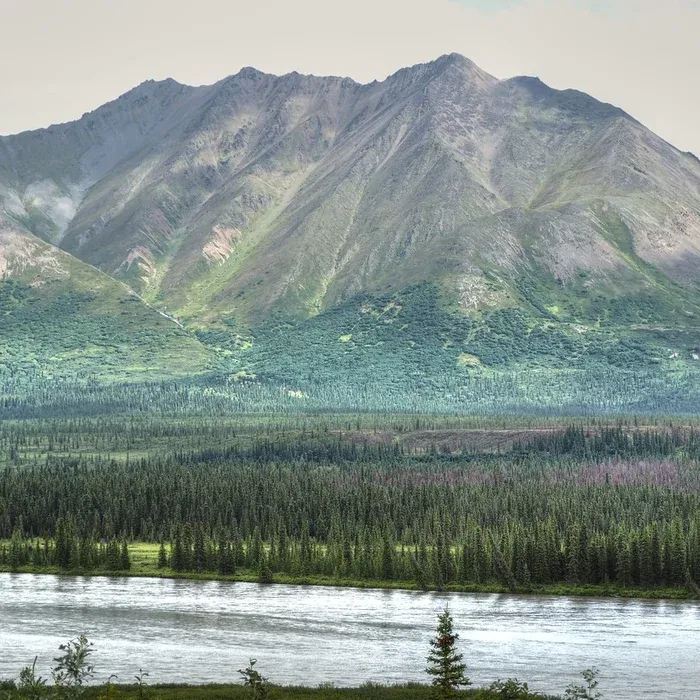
236 692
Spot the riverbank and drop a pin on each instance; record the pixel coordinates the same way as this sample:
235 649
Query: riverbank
141 569
238 692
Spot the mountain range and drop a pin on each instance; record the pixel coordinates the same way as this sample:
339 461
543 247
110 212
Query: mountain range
440 214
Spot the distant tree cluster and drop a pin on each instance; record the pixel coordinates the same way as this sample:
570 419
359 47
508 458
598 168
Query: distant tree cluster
66 550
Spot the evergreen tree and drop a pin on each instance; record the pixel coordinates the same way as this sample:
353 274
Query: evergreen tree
226 559
162 557
85 554
444 663
177 559
623 561
199 558
113 560
388 556
677 552
419 574
187 548
16 555
573 555
124 559
264 571
66 548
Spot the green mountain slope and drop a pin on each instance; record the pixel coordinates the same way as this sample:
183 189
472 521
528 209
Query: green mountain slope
60 317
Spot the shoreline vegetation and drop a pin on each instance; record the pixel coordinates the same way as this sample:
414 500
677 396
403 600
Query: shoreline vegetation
369 691
150 570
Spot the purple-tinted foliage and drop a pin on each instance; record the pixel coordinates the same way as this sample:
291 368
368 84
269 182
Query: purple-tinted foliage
680 475
638 472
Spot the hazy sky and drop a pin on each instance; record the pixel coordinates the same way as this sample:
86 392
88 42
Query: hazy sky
60 58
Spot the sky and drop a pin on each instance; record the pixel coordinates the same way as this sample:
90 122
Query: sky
61 58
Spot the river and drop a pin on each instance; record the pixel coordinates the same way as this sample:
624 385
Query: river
197 632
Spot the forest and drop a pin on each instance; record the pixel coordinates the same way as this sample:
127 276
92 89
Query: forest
412 501
600 392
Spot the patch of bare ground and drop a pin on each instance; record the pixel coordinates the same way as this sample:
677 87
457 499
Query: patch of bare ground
449 440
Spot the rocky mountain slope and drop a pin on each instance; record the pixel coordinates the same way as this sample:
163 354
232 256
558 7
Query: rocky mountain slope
265 197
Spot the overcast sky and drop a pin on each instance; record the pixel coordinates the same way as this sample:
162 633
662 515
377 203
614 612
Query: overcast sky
60 58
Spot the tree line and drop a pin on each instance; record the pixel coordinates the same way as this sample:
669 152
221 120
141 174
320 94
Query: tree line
512 520
27 391
66 551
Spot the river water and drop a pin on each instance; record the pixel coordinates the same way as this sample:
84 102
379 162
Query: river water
197 632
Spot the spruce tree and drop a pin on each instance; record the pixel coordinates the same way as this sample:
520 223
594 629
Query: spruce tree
187 557
388 556
16 558
113 561
66 549
264 572
444 663
199 558
573 555
124 559
177 557
85 554
226 560
677 554
162 557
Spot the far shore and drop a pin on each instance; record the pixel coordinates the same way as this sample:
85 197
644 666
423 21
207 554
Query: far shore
587 591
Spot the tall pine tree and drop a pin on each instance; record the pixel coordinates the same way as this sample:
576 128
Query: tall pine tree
444 663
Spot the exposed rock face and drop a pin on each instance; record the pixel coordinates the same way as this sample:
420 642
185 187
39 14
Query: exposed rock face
297 192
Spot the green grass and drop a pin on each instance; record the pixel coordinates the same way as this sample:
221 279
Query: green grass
238 692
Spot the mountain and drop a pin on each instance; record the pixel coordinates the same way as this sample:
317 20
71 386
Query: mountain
273 208
61 317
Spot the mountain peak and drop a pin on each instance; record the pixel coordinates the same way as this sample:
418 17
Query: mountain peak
456 59
451 65
250 72
447 61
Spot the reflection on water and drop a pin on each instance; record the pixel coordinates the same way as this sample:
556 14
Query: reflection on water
205 631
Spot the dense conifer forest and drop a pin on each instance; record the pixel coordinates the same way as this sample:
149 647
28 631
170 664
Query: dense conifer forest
416 501
385 383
